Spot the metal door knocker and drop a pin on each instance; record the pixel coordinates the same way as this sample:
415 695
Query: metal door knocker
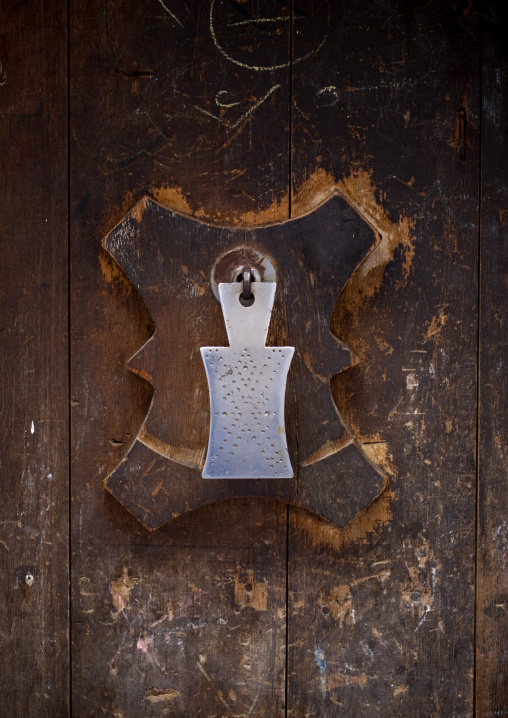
247 383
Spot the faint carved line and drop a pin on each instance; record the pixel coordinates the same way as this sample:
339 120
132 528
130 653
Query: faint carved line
308 364
260 20
267 68
170 13
254 107
209 114
17 524
242 117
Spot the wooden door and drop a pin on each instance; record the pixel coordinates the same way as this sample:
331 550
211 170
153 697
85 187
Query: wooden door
245 114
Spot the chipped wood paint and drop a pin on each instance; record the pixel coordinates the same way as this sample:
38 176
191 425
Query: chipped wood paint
121 588
249 591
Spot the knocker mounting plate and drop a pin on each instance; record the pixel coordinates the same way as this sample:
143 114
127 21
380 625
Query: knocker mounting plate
176 264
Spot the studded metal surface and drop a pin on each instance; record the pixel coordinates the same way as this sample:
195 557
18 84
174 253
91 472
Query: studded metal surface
247 383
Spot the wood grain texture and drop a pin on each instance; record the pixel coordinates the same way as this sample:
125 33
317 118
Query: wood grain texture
187 620
205 617
33 361
492 579
381 615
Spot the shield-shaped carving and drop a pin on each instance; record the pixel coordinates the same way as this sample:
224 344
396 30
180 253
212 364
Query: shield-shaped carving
174 262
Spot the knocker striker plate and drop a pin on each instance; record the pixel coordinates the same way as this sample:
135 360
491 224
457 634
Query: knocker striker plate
247 383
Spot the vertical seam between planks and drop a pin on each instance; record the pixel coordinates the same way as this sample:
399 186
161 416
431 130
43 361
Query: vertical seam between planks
286 676
69 417
478 358
290 120
290 188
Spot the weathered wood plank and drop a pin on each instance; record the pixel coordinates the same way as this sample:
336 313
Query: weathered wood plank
186 620
33 361
381 615
189 620
492 580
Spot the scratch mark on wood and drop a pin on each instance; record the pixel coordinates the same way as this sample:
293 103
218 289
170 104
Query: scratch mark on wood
254 702
219 103
202 659
382 576
261 20
161 696
170 13
425 613
219 693
338 680
242 118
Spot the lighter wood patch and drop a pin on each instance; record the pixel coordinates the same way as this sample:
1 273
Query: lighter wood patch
194 458
172 198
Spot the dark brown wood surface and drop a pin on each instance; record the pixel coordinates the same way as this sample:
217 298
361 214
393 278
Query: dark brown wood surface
244 114
492 579
189 620
33 361
381 616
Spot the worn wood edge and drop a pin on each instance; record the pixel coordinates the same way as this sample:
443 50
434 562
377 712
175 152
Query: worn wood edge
364 528
367 524
321 531
303 205
171 197
359 191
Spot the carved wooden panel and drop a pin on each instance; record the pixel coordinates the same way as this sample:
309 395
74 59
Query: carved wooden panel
171 260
